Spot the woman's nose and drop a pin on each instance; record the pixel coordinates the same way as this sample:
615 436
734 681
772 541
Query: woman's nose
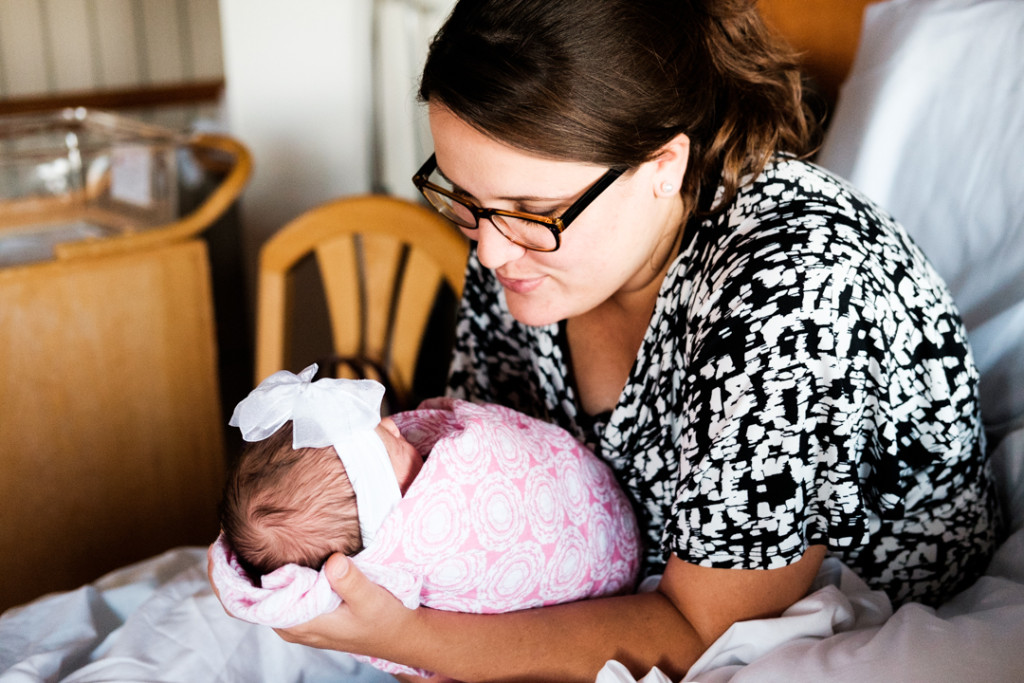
493 249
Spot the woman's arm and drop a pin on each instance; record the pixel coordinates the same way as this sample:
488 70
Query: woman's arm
669 628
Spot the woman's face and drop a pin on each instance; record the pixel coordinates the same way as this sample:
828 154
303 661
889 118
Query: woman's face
616 247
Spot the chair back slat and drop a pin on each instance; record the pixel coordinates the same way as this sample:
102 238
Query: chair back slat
382 263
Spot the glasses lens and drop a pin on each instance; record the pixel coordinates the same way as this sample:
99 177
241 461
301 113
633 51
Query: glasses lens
453 210
527 233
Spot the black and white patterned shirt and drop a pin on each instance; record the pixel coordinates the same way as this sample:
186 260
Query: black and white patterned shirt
805 379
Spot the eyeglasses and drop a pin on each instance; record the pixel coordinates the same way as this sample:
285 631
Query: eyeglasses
528 230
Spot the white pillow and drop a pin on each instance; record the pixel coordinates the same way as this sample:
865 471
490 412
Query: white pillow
930 124
1008 468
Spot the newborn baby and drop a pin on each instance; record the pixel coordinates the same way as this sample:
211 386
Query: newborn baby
454 506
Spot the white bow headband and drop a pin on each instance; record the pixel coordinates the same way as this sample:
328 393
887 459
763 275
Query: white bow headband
343 413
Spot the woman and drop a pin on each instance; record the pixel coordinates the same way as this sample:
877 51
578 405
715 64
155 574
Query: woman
770 366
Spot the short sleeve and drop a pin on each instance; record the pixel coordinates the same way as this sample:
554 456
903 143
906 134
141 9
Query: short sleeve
769 388
826 379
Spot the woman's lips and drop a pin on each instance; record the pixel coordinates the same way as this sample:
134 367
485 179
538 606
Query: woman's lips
519 285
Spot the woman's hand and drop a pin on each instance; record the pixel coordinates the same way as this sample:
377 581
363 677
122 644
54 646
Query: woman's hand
370 621
567 642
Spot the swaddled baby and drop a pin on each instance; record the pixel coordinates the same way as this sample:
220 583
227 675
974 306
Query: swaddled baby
454 506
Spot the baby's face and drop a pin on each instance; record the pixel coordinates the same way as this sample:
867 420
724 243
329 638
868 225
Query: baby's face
404 457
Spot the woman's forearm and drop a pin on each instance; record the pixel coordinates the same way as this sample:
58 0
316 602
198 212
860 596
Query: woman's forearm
669 628
565 642
572 642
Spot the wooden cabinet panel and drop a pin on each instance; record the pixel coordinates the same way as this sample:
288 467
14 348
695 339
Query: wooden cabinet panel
111 447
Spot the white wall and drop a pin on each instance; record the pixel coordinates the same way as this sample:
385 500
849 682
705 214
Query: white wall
299 96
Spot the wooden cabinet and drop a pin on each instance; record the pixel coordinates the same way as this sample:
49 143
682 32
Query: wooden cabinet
111 443
824 32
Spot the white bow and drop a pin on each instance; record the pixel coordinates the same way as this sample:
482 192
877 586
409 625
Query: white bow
342 413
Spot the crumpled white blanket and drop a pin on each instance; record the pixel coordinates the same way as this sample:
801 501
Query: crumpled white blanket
159 621
845 631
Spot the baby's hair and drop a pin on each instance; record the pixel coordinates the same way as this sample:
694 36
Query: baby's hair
283 505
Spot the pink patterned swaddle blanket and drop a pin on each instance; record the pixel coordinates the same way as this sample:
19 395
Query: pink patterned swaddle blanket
508 513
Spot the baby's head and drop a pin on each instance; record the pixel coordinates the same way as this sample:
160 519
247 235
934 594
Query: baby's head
283 505
289 498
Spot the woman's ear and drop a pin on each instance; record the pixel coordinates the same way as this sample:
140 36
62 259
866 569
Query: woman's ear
670 166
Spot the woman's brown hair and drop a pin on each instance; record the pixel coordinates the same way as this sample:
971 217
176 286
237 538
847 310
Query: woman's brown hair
611 81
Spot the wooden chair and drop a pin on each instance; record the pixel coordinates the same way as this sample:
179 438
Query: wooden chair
382 261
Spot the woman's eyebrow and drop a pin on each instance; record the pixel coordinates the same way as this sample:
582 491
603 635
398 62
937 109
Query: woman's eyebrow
443 175
519 199
455 186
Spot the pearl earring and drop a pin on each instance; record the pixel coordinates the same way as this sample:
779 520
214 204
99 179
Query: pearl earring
668 188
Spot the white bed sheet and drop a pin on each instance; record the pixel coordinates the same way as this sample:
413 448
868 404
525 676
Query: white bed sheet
849 633
157 620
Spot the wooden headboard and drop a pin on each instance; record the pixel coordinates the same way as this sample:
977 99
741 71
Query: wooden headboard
825 32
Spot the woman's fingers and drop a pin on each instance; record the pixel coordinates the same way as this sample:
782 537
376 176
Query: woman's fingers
368 616
347 584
